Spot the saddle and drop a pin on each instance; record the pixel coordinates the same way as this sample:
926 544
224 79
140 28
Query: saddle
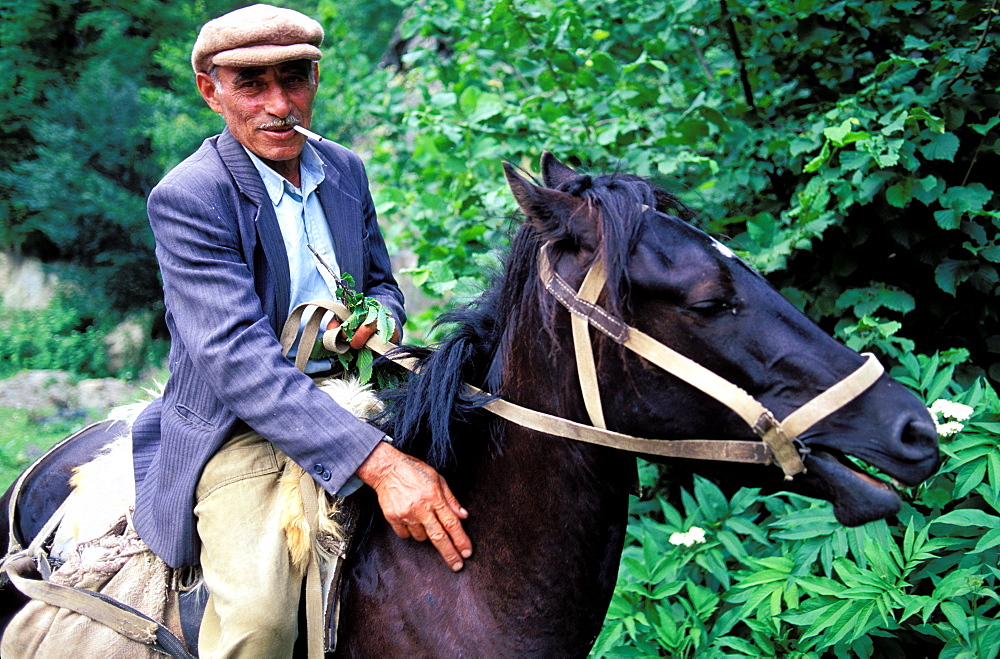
97 590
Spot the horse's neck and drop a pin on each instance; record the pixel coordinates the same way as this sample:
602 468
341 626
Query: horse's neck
549 513
547 518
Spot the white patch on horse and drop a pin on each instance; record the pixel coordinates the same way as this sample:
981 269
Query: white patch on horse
725 251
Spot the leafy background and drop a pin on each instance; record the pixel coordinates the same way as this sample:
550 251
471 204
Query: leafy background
845 148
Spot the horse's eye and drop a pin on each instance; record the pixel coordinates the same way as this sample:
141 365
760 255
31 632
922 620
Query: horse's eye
711 307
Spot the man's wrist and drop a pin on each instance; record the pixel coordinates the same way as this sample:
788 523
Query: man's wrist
378 464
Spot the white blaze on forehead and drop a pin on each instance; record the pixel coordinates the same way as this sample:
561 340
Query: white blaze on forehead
725 251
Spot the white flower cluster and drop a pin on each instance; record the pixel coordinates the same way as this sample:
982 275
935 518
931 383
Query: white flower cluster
948 416
694 536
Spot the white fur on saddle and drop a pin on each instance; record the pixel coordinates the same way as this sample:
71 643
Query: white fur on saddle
104 488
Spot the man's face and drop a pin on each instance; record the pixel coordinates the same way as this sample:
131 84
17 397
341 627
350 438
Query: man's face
254 100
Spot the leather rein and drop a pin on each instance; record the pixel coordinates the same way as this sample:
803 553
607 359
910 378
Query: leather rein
779 438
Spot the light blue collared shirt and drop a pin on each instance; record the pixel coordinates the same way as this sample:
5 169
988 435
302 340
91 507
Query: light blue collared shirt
303 223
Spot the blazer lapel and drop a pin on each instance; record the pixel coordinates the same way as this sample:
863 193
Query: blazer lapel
265 221
343 213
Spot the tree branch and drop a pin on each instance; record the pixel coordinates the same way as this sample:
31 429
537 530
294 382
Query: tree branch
734 40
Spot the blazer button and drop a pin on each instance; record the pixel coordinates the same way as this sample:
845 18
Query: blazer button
326 475
318 468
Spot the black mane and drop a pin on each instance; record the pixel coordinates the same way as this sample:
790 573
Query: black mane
422 412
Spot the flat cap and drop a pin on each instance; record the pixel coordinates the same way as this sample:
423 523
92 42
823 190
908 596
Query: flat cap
258 35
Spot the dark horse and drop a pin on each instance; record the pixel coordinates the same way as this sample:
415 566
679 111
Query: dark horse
548 515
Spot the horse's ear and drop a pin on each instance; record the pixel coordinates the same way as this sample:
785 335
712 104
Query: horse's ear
555 173
556 215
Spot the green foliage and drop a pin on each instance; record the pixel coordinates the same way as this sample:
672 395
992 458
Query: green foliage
26 436
364 310
68 335
76 165
778 576
57 337
843 146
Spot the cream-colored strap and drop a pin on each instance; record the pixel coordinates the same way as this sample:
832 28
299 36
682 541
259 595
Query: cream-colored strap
332 341
315 634
746 406
590 289
835 397
124 622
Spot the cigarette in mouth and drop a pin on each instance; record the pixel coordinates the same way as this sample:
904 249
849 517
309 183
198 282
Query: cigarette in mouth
308 133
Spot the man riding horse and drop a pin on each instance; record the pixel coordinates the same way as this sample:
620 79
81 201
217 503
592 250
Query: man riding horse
246 228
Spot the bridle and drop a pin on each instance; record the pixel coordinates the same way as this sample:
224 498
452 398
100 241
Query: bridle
780 438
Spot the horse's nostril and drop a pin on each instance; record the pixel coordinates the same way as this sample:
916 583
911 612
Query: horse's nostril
919 444
920 433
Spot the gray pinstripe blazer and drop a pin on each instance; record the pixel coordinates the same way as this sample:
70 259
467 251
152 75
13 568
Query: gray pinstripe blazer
226 289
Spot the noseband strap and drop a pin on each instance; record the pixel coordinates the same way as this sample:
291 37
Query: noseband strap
778 436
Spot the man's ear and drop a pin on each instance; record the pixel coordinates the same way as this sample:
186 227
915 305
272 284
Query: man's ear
315 66
206 86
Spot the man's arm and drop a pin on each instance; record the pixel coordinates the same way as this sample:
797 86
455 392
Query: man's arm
217 316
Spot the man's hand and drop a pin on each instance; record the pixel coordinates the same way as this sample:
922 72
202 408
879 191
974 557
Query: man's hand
417 503
362 334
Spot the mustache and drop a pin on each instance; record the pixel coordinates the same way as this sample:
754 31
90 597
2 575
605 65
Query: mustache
283 122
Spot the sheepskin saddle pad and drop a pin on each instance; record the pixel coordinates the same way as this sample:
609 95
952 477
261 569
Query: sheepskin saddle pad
91 539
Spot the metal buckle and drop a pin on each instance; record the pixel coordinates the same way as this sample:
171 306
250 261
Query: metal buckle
804 451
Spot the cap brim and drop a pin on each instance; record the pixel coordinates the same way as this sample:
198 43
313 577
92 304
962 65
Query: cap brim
266 55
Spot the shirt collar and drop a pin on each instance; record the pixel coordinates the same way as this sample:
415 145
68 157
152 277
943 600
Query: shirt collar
310 171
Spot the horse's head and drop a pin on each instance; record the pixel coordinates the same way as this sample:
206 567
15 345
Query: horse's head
689 292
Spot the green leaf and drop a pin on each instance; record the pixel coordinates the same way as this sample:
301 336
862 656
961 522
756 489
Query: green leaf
817 162
968 480
604 63
564 61
966 199
947 219
989 540
711 500
844 134
738 644
444 99
957 617
982 129
363 363
740 525
899 194
488 105
969 517
940 146
949 274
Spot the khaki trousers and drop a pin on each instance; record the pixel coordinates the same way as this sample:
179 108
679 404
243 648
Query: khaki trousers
253 602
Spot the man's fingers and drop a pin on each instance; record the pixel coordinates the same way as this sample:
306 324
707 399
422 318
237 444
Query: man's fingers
417 502
417 532
452 525
453 501
361 336
441 540
401 530
333 324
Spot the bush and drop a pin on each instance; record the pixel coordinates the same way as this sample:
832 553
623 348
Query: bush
69 335
776 575
845 148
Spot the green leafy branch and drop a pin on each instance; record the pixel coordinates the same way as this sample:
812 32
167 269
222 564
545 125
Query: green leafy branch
364 310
